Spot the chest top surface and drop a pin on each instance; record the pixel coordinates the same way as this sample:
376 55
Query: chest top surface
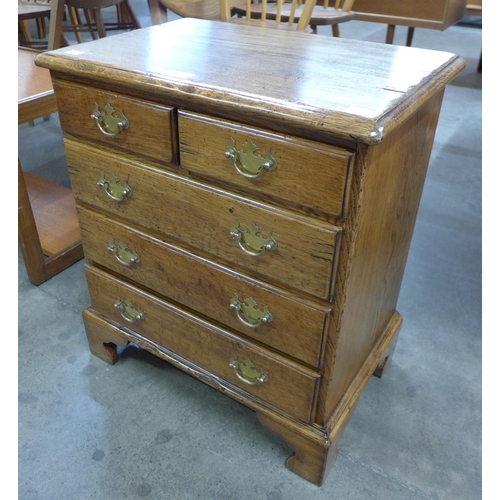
331 83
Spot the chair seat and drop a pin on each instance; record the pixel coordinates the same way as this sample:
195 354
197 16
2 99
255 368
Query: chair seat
28 12
32 11
321 16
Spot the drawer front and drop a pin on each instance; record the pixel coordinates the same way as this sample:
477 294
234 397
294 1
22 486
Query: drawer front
150 130
289 325
273 379
213 221
305 175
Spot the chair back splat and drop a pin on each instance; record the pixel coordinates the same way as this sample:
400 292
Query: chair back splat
321 15
226 10
290 12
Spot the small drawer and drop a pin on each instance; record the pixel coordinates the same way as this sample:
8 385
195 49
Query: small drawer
262 374
292 326
268 244
297 173
118 121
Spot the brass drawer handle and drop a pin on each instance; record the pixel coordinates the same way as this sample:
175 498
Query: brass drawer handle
128 311
122 254
247 163
109 124
251 241
248 314
113 188
246 371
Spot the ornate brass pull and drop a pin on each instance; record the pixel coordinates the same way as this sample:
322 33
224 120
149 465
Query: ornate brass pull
247 163
128 312
109 124
122 254
247 312
246 372
113 188
251 241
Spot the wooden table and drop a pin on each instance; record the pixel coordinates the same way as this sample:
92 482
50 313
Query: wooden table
430 14
48 228
246 200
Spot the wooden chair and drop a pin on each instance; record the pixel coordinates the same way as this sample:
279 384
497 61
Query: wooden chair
224 10
94 22
38 11
322 15
91 22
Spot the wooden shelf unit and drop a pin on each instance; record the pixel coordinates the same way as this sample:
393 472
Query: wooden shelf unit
48 229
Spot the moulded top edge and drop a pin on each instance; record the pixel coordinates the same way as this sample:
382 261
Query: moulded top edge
353 88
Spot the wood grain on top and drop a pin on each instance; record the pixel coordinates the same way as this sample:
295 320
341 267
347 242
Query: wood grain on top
330 84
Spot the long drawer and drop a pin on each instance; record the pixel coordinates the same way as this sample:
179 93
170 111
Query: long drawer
290 325
308 176
146 128
275 245
267 376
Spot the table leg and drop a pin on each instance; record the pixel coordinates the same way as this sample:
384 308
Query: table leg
31 247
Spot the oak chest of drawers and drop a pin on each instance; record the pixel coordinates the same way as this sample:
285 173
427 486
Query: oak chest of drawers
246 206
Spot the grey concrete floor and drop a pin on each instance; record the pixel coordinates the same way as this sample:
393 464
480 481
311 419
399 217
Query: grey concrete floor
143 429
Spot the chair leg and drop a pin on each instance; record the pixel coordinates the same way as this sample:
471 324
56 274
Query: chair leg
40 25
25 33
409 36
91 21
131 14
389 37
101 31
75 21
336 30
56 37
122 14
158 12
